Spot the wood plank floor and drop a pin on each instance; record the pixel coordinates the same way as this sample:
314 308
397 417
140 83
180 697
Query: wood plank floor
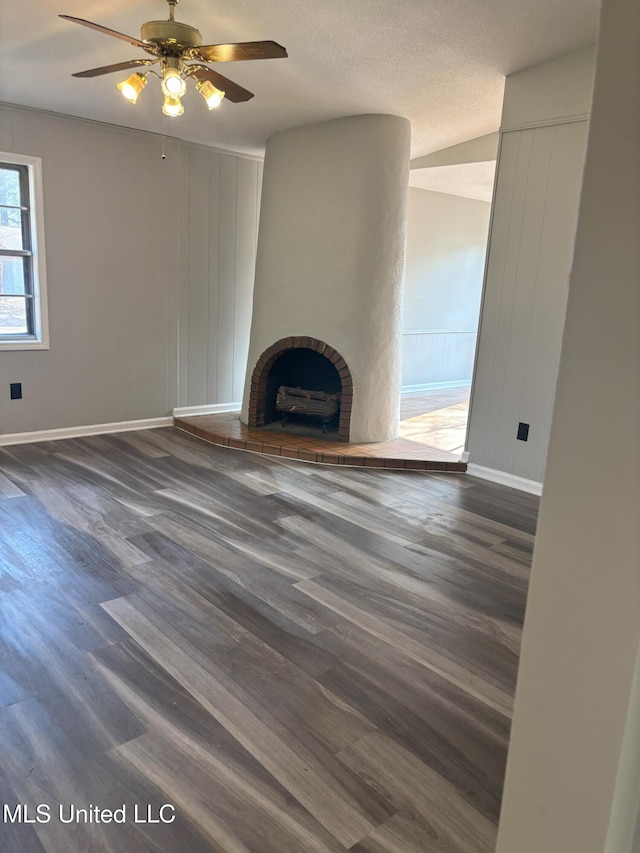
297 659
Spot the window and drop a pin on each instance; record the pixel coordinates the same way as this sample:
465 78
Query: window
23 306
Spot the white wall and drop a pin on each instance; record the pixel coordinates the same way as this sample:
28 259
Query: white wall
573 774
538 184
331 254
446 245
551 92
125 241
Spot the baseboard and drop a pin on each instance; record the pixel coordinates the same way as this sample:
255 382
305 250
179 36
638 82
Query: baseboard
82 431
521 483
209 409
435 386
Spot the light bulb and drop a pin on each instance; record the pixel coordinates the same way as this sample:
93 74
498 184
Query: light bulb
212 96
132 86
172 83
172 107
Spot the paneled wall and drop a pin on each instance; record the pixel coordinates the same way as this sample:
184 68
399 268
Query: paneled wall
539 178
149 271
437 359
523 313
111 276
220 201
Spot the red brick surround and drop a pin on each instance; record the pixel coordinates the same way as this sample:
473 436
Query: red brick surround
265 363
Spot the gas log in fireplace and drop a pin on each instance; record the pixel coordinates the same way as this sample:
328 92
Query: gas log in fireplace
305 383
308 404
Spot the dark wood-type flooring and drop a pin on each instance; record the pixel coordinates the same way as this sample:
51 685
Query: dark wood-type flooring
300 659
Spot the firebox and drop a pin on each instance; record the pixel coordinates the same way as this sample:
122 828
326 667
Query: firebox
310 371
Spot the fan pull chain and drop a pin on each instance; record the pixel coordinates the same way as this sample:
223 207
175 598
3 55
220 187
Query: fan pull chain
163 155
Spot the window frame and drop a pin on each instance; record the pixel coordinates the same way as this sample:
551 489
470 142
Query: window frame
37 337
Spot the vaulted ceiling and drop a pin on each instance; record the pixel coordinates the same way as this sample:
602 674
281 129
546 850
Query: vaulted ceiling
439 63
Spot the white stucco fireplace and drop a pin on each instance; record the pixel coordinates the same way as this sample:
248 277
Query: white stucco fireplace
330 264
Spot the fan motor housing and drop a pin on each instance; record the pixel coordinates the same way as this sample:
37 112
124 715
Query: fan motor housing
170 33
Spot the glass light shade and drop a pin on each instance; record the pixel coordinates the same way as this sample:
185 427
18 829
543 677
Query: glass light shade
172 107
212 96
132 86
172 83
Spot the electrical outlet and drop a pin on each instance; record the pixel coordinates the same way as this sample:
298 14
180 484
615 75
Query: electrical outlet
523 432
16 390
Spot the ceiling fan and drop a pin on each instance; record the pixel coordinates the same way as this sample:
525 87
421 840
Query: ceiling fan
178 50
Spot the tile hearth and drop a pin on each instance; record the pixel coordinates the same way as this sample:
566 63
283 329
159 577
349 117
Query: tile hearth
415 453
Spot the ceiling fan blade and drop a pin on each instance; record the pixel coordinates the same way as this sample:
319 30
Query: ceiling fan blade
134 41
240 52
232 91
119 66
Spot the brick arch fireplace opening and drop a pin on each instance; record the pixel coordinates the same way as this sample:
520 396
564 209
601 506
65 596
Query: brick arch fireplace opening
304 362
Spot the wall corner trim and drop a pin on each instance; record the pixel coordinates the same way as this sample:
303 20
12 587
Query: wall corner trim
81 431
533 487
545 122
207 409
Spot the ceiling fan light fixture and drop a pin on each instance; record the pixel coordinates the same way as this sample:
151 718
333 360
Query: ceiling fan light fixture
173 84
172 106
132 86
210 93
177 51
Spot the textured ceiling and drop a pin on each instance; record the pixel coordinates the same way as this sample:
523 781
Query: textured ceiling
439 63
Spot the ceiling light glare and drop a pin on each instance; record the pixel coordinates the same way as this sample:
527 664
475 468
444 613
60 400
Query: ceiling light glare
212 96
172 83
132 86
172 107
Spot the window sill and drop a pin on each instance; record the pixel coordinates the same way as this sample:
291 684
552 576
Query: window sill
16 346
